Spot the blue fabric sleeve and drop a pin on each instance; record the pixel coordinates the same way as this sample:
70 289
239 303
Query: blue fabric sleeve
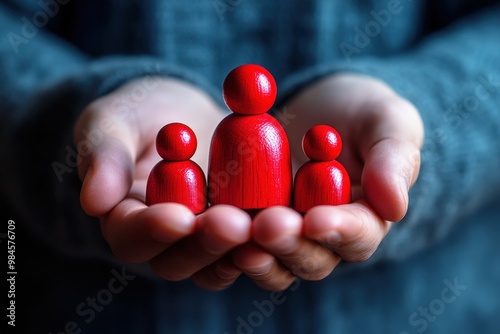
453 78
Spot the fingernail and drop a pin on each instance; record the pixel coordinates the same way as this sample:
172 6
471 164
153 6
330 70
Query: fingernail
183 226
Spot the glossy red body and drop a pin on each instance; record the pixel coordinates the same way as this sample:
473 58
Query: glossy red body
250 163
180 182
322 180
321 183
249 90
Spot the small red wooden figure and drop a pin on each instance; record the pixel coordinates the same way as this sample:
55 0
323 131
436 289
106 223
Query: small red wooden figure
177 178
322 180
250 163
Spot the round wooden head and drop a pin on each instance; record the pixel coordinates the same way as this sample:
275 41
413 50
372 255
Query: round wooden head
176 142
249 90
322 143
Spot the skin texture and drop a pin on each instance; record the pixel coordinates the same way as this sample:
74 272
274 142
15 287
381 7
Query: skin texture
381 133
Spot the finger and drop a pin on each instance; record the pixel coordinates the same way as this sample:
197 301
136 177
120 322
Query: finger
218 230
279 231
390 149
217 276
106 157
262 267
353 231
391 168
137 233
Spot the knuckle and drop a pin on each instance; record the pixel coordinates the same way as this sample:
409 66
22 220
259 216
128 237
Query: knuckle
305 267
317 265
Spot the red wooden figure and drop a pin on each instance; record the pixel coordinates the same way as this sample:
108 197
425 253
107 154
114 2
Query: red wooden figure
176 178
250 164
322 180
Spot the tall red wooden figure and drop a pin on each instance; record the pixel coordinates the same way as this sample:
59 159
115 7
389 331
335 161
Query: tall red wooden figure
176 178
250 164
322 180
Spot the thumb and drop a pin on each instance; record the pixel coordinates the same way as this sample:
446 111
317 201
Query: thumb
391 168
106 161
392 157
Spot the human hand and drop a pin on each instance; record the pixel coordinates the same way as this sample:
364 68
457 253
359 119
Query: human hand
382 134
179 245
115 137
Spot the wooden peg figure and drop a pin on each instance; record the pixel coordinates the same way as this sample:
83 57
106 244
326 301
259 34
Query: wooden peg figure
177 178
322 180
250 163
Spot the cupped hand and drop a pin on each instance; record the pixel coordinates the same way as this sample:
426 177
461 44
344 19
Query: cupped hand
382 134
115 137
